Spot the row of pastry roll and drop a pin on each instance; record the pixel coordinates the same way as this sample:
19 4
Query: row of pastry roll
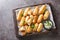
29 17
28 11
29 29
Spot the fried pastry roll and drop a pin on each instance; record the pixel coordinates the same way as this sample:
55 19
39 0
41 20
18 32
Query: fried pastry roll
36 10
22 22
22 31
26 11
46 15
30 12
40 27
29 29
40 18
42 9
27 18
35 19
20 14
30 20
35 28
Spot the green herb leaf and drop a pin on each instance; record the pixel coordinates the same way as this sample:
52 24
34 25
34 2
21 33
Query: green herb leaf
32 26
23 22
21 15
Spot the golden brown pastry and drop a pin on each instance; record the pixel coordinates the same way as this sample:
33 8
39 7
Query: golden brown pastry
22 22
27 18
46 15
30 20
26 11
22 31
42 9
30 12
35 28
35 19
36 10
31 17
29 29
20 14
40 27
40 18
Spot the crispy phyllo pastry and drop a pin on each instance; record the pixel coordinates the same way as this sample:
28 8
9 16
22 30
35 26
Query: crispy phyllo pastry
26 11
35 19
40 18
42 9
40 27
36 10
22 22
46 15
20 14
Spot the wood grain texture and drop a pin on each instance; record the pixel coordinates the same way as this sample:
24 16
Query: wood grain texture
7 31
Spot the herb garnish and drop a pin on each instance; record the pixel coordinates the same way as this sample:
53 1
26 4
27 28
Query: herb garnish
21 15
32 26
23 22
